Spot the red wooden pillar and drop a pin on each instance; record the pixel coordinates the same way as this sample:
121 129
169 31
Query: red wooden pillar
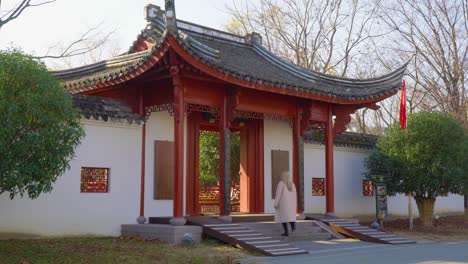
302 117
179 109
296 148
225 160
143 139
222 157
330 190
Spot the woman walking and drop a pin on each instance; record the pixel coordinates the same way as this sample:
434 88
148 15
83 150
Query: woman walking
286 203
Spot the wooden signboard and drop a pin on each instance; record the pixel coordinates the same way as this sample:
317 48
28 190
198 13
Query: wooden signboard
381 200
279 163
163 170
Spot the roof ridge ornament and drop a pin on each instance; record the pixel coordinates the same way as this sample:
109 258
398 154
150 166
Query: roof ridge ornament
253 38
152 12
171 21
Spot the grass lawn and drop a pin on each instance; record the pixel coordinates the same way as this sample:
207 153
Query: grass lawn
114 250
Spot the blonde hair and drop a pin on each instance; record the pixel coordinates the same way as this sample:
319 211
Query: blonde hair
286 178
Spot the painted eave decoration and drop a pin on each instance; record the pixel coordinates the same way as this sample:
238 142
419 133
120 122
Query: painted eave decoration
238 59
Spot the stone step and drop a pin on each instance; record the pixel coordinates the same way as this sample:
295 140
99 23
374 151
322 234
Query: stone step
277 226
280 229
303 237
308 223
305 231
289 252
365 233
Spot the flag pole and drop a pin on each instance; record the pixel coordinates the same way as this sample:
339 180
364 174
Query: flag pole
403 126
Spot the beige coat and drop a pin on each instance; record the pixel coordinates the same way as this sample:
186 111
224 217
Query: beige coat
286 203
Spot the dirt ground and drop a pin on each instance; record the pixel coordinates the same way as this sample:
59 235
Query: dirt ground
449 228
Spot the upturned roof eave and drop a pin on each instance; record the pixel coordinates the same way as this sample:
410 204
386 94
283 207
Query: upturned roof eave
183 48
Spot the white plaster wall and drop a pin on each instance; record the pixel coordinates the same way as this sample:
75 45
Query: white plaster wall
349 169
348 172
160 126
314 167
277 136
452 204
66 211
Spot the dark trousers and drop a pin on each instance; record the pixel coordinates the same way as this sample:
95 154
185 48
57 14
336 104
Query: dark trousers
285 227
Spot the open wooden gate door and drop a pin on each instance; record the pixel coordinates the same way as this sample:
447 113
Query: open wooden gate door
251 169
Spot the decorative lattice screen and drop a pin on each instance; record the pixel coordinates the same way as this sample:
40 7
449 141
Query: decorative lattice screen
367 188
318 186
94 180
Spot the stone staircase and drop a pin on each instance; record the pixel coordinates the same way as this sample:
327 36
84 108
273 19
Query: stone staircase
306 230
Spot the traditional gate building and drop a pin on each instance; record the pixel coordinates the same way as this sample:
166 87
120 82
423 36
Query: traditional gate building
143 113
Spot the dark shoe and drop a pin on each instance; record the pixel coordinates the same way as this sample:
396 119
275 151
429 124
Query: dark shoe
286 234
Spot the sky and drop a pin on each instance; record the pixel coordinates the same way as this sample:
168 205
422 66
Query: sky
39 28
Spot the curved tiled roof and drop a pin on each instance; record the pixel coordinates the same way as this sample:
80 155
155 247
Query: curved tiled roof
242 57
91 74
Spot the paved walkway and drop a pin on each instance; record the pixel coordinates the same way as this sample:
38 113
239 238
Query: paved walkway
351 251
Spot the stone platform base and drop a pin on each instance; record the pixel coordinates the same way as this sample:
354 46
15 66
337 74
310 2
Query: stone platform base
168 233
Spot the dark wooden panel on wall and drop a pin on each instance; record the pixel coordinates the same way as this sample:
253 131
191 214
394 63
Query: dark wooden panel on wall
163 170
279 163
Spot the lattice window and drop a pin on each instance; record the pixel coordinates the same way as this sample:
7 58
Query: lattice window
367 188
318 186
208 198
94 180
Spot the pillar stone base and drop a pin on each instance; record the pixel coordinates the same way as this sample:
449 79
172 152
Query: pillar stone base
226 218
141 219
301 217
178 221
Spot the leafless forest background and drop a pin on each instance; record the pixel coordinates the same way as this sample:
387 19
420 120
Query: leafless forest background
367 38
347 38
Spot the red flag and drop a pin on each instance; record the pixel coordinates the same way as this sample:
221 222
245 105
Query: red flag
403 105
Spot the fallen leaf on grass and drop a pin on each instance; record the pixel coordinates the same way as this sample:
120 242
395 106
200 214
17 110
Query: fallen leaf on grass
24 261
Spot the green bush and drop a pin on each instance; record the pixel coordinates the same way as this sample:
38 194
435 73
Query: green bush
39 127
209 157
428 159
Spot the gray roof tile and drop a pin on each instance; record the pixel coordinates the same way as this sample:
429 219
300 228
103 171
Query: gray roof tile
105 109
236 56
346 139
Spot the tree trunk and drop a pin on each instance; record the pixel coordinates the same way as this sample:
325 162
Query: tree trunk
426 210
466 201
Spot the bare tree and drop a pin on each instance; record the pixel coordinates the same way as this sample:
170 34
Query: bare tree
321 35
363 39
435 32
96 52
12 13
333 36
375 122
90 40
